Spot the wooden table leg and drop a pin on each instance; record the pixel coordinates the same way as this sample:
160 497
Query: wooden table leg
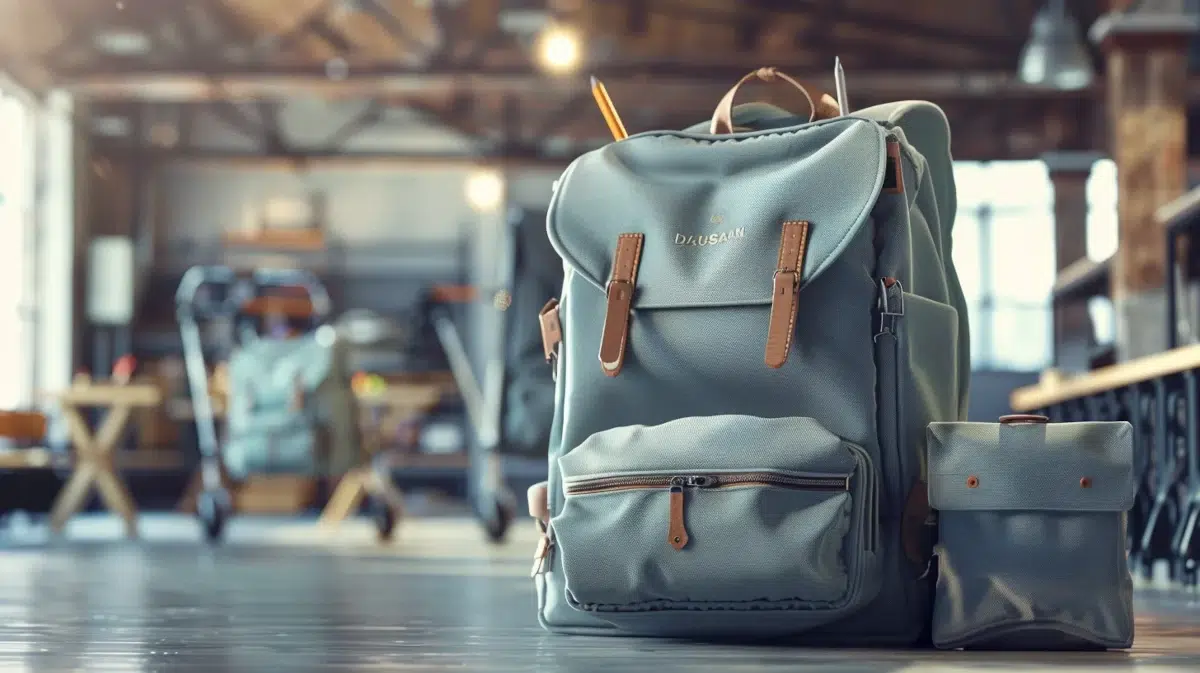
94 464
380 486
346 498
72 497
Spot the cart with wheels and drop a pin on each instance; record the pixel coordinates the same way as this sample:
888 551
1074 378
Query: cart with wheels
494 349
289 407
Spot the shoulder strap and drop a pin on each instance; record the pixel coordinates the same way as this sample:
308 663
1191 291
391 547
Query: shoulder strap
927 130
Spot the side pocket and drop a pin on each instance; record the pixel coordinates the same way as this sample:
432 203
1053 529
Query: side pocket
930 392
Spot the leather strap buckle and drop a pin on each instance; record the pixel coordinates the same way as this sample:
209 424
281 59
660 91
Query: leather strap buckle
785 292
551 326
619 290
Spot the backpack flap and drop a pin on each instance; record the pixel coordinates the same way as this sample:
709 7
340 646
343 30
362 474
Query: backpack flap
1031 467
712 209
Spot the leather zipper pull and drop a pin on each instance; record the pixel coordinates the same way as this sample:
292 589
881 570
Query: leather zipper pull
677 535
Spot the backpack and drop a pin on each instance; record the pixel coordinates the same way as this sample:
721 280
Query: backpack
291 410
529 393
754 330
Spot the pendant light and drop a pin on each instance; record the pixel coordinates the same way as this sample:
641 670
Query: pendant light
1055 56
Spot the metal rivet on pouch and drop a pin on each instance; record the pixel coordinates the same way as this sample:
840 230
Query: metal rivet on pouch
677 538
972 481
1085 482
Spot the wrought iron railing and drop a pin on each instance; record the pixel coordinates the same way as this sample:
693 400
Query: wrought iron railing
1159 396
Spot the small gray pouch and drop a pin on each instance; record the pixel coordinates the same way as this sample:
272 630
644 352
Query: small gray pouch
1031 525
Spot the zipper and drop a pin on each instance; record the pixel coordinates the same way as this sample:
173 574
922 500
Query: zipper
677 535
887 339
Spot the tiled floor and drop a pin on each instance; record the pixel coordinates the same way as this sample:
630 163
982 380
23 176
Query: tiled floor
282 597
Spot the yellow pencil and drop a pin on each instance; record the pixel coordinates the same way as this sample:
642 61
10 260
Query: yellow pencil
606 108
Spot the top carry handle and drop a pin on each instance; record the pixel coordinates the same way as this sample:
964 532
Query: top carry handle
821 107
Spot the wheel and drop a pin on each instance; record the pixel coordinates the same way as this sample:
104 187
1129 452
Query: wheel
497 520
214 508
385 517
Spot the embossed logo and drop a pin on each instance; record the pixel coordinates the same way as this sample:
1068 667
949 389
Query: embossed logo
711 239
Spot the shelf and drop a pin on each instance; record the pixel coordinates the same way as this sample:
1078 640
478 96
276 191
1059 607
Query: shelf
291 240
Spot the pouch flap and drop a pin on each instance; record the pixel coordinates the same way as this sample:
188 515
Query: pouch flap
1074 467
712 207
716 443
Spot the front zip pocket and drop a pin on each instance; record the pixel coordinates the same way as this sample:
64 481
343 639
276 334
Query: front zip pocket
718 514
677 535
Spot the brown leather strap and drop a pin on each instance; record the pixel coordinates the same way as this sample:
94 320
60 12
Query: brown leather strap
551 329
824 107
1023 418
893 180
915 531
785 296
620 302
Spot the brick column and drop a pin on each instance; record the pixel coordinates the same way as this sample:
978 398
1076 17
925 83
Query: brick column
1074 336
1146 49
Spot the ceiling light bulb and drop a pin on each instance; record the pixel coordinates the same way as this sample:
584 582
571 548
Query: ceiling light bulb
559 50
485 191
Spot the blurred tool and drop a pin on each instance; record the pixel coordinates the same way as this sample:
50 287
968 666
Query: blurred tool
839 79
606 108
123 369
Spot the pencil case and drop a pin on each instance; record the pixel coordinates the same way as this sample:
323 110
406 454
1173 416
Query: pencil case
1031 545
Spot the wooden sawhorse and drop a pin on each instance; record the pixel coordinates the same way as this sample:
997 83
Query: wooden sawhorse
387 410
94 459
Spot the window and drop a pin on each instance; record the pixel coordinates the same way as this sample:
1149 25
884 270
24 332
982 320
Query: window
1102 239
16 253
1004 254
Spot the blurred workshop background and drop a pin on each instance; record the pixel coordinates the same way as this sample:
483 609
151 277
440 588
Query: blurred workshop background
270 272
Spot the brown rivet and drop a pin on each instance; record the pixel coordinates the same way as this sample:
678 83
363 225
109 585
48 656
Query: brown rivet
972 481
1085 482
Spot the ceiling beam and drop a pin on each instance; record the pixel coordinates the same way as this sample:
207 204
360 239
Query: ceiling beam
382 81
514 157
857 17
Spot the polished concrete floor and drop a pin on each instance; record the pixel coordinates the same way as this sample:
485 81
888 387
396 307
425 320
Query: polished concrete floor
281 596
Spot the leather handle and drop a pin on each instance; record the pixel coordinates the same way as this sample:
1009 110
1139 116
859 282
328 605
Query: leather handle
822 107
1023 418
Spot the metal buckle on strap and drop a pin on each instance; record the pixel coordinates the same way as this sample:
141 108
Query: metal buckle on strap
793 276
608 287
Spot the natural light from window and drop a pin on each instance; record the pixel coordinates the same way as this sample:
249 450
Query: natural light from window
16 199
1004 253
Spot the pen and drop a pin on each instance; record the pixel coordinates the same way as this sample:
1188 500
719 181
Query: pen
839 79
606 108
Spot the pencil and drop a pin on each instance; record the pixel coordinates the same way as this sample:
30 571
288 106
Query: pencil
606 108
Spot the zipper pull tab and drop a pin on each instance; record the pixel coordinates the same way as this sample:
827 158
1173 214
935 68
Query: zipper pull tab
677 535
891 306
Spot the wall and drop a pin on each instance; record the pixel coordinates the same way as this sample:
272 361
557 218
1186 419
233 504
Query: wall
990 391
386 221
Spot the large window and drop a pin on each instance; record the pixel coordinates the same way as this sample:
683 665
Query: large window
1102 239
16 252
1004 254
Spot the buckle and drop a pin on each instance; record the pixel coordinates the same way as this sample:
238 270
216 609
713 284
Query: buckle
795 276
885 308
608 287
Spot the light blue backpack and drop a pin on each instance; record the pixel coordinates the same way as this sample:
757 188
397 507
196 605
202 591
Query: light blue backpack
756 327
291 409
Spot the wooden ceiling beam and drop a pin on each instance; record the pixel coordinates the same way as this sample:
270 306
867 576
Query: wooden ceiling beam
858 17
378 81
